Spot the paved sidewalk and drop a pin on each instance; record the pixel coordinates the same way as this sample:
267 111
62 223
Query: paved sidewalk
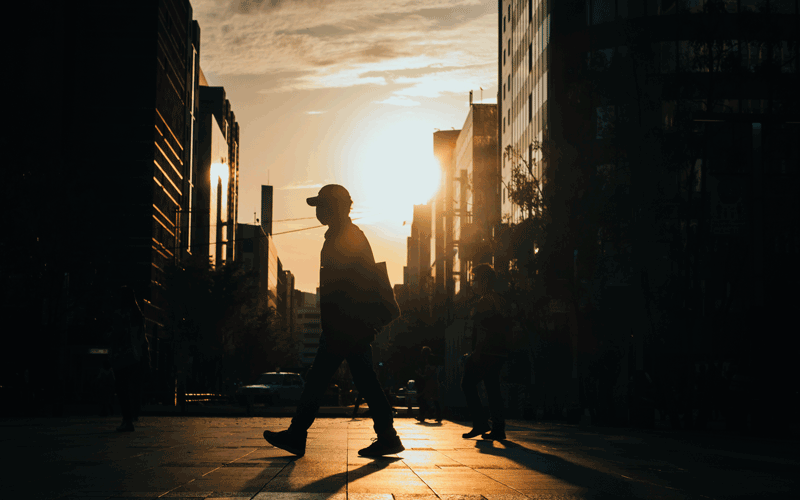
216 458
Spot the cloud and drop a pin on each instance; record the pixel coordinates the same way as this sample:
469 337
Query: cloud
399 101
303 185
315 44
314 112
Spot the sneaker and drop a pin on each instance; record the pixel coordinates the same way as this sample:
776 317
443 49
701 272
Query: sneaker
494 435
477 431
294 443
383 446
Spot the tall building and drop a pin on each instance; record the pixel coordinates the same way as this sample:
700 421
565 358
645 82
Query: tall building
266 208
256 251
687 112
467 209
212 221
442 213
476 191
128 84
524 94
418 284
308 325
288 309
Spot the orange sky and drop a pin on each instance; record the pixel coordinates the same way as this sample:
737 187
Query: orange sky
347 92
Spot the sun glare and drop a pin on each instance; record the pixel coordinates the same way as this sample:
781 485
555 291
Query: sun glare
396 172
219 171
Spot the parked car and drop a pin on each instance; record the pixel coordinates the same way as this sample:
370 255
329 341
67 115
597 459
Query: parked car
407 396
272 388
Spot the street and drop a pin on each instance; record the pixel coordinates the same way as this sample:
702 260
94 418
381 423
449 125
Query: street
215 458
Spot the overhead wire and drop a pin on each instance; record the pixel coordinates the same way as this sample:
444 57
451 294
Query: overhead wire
235 240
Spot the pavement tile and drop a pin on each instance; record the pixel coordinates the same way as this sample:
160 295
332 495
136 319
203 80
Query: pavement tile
369 496
456 482
269 495
526 479
308 484
389 481
410 496
226 458
188 494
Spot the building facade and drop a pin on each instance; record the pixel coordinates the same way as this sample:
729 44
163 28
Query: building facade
418 284
257 252
308 326
211 223
665 131
128 86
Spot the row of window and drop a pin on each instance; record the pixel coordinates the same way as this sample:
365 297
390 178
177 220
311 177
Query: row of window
697 56
606 116
604 11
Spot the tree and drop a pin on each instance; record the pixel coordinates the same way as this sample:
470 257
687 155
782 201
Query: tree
218 320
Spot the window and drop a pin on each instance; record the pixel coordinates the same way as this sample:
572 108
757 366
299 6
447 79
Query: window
622 8
667 57
530 108
668 109
661 7
605 122
783 150
504 24
509 83
753 55
695 6
786 57
602 11
666 7
782 6
530 11
751 5
530 58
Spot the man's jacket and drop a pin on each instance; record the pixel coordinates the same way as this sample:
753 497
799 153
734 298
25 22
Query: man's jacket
348 294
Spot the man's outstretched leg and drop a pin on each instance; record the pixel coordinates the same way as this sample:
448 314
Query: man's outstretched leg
293 439
388 442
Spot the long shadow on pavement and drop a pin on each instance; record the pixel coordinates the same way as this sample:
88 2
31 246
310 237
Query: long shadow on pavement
318 486
600 485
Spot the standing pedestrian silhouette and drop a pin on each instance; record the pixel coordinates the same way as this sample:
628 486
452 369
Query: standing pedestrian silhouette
489 353
348 296
128 349
428 392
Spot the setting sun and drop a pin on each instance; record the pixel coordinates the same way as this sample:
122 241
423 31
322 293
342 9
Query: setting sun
394 170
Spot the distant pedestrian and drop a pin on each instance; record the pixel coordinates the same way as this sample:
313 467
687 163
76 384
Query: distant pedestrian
104 384
129 349
428 391
347 301
489 353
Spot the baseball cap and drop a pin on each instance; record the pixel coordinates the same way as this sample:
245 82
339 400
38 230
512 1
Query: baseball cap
331 192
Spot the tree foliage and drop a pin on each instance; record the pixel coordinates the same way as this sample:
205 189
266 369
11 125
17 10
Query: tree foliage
218 320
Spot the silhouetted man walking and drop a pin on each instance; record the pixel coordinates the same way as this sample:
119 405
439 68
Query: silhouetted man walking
347 298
